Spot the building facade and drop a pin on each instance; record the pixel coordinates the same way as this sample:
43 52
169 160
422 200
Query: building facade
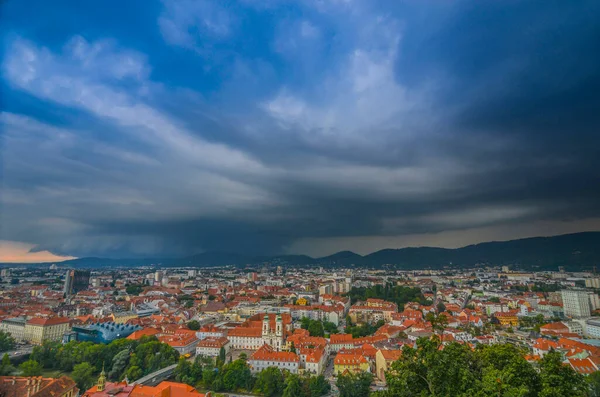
39 330
15 327
576 303
266 357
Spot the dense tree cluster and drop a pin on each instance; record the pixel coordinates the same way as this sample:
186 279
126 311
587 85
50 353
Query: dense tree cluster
134 289
354 385
120 358
318 327
7 342
6 367
235 376
392 293
498 370
361 330
194 325
534 322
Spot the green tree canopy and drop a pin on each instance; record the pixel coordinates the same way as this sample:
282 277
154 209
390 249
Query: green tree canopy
193 325
30 368
7 342
354 385
496 370
270 382
83 375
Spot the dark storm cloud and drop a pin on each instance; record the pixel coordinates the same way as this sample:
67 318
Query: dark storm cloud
422 118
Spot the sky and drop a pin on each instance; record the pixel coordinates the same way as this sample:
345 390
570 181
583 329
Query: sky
174 127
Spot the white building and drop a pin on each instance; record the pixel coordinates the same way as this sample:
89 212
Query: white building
266 357
593 328
576 303
211 346
15 327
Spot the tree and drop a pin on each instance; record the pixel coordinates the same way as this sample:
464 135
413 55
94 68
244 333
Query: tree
83 375
222 354
506 372
318 386
119 362
235 376
330 327
30 368
438 322
270 382
558 379
6 368
354 385
134 372
428 371
193 325
594 382
292 348
441 307
7 342
134 289
316 328
293 387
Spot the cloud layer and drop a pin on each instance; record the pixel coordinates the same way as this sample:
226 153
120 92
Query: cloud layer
281 126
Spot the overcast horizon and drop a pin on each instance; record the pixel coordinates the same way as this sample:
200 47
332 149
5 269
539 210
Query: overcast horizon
174 127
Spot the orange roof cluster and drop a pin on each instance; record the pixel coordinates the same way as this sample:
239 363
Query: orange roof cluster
143 332
166 389
344 358
391 355
179 339
213 342
267 353
47 322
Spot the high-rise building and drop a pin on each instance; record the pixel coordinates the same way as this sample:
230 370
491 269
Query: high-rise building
158 276
576 303
76 280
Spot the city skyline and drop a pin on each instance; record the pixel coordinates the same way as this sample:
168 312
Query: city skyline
170 128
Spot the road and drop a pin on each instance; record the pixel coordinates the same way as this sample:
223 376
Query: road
19 351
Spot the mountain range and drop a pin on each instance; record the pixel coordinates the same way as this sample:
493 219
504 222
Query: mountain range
573 251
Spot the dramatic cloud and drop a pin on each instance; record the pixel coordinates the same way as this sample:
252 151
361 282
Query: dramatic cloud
175 127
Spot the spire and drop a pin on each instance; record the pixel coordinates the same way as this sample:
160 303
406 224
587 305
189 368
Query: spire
101 380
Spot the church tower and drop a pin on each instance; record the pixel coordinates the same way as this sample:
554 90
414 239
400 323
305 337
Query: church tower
279 326
101 381
265 329
279 332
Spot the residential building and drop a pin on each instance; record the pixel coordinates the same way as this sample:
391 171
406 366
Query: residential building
39 330
123 317
351 362
267 356
384 360
184 341
211 346
576 303
15 327
593 328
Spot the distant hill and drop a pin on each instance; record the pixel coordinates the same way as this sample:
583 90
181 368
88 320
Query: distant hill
574 251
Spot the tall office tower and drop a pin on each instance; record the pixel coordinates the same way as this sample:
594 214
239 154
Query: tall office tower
69 282
576 303
76 280
81 280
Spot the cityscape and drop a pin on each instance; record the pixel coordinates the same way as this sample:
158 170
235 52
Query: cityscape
299 198
272 329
